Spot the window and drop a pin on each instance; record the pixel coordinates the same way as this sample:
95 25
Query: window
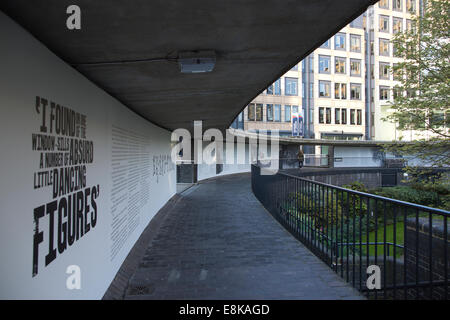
269 112
328 116
397 73
339 65
409 25
397 5
326 44
339 41
277 112
251 112
384 70
352 116
277 87
324 89
287 113
259 112
396 92
383 23
384 93
384 4
411 6
291 86
384 47
337 116
294 109
270 89
324 64
355 67
355 43
355 91
311 90
321 111
344 116
295 68
395 52
397 25
358 117
340 90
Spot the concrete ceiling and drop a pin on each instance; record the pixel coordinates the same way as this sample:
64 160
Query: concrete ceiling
127 48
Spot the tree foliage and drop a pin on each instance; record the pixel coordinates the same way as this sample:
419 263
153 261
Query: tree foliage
421 99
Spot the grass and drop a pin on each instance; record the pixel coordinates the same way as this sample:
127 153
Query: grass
399 231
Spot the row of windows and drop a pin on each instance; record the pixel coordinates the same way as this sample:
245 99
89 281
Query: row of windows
340 65
340 42
397 24
255 112
384 45
385 93
290 87
340 116
397 5
340 90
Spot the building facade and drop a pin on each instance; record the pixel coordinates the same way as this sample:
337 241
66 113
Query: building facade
344 88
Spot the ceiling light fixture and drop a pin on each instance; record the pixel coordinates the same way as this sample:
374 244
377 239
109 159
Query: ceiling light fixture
197 61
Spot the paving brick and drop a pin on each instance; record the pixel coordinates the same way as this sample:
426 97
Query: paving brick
218 242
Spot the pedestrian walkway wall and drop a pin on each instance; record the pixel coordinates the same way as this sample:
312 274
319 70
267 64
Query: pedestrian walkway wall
239 164
81 175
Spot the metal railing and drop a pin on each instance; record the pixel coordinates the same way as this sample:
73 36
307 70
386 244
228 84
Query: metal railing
351 230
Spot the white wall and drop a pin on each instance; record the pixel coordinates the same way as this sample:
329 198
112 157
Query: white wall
129 168
241 151
356 157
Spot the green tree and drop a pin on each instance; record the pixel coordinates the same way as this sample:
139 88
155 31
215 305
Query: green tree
421 100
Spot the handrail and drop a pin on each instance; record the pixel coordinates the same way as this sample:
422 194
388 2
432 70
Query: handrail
351 230
373 196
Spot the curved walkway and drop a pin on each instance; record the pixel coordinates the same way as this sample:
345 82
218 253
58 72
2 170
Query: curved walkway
218 242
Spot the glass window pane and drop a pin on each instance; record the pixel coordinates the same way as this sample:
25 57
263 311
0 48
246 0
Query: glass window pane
287 113
355 43
277 87
384 47
324 89
340 65
383 4
339 41
269 112
383 23
355 91
259 112
328 116
291 86
324 64
344 116
277 113
355 67
251 112
397 5
337 115
397 25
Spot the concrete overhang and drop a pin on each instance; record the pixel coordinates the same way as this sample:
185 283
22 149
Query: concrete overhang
130 48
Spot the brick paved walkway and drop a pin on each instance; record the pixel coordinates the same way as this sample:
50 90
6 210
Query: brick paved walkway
218 242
